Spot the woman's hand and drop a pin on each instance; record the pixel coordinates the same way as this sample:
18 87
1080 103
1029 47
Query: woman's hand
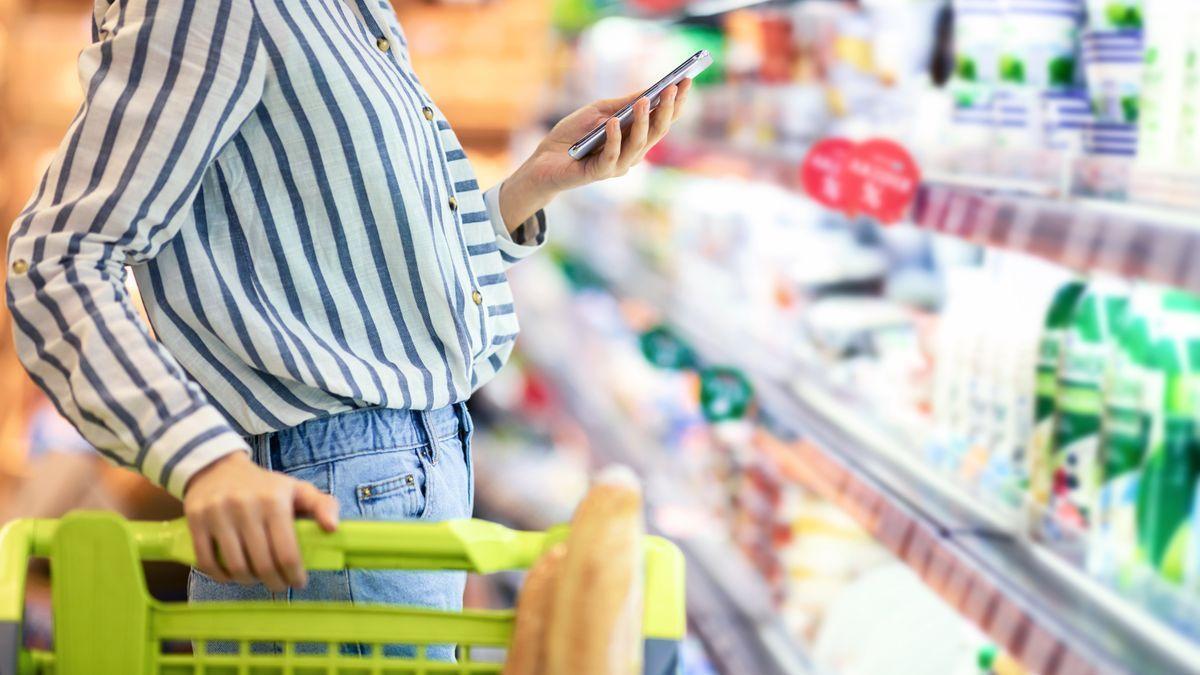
551 170
242 521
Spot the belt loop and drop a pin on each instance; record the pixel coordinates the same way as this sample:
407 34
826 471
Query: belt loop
275 455
464 420
431 441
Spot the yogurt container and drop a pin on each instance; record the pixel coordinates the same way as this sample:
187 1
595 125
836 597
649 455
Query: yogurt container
1189 145
1110 139
1039 44
1160 117
1113 66
977 34
1017 119
1115 14
1065 115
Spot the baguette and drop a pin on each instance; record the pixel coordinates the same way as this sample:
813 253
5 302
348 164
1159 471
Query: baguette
527 651
596 621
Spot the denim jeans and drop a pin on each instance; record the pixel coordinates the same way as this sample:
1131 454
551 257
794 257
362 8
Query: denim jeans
381 464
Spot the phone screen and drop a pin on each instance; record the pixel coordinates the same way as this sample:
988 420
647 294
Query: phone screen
595 138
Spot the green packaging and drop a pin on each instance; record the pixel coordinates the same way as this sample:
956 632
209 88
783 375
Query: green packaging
1133 405
1089 345
1050 351
1167 487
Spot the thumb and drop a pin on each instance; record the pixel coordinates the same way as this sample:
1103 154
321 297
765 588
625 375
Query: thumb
322 507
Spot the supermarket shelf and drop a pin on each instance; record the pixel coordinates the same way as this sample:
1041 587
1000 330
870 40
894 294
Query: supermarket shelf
1048 614
729 605
1132 241
1136 241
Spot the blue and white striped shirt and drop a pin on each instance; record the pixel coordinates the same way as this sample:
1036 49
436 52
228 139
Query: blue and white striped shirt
306 233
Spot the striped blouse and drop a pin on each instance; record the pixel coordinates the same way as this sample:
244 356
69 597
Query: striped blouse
303 226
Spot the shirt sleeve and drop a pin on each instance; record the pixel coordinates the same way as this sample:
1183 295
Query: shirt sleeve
521 242
166 84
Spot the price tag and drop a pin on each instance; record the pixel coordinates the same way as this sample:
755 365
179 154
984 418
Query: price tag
880 179
823 172
725 394
662 347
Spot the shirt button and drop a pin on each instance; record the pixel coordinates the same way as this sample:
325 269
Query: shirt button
477 297
453 203
383 44
428 113
20 266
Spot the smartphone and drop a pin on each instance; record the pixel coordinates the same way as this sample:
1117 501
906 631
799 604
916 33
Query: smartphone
595 138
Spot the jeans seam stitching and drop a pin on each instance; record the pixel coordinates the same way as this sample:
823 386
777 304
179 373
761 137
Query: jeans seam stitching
361 453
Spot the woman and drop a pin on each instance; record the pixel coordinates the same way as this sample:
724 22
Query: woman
323 274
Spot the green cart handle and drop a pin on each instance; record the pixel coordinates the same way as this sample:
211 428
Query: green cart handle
468 545
471 545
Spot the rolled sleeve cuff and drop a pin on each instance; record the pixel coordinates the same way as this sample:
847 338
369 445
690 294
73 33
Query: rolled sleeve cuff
523 240
188 444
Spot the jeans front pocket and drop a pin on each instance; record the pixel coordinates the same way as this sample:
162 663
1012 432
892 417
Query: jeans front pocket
390 485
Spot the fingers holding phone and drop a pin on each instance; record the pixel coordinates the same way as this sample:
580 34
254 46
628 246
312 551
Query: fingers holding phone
598 141
605 164
667 113
639 133
653 97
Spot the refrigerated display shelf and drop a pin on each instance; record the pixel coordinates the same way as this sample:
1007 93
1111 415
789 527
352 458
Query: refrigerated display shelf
1136 241
729 605
1047 613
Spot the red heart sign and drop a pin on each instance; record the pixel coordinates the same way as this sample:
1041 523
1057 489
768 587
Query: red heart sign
822 174
880 180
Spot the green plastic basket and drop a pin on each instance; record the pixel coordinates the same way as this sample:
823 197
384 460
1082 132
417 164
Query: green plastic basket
106 623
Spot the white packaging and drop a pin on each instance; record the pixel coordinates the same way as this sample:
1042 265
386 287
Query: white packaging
1189 145
1161 114
1040 43
977 40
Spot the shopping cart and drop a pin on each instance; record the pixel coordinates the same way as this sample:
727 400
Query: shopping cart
106 623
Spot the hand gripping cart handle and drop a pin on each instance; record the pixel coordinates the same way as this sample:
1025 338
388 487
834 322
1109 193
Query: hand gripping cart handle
106 623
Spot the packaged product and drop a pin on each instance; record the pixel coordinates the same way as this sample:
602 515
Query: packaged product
1190 541
973 120
1160 115
1189 145
1080 400
1132 408
1110 139
1168 484
1040 43
1056 322
977 39
1115 14
945 384
1065 114
982 428
1017 310
1017 123
1113 64
956 393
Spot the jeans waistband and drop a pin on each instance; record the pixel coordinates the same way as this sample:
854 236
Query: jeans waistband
357 432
